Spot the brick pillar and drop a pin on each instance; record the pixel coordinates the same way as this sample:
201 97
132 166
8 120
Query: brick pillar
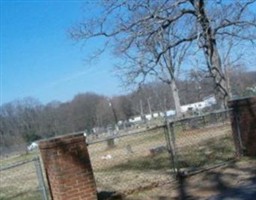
68 168
243 120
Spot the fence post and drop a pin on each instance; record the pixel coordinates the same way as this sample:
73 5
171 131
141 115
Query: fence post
40 178
243 118
168 142
172 145
225 116
204 120
239 137
216 117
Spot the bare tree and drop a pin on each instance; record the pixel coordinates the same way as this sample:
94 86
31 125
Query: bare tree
165 69
141 34
136 30
228 21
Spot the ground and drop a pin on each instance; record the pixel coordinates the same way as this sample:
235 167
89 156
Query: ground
235 179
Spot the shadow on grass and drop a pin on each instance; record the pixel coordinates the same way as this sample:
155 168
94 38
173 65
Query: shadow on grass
236 180
241 192
109 195
221 182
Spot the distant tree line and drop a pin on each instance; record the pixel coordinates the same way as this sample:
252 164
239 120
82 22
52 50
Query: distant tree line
27 120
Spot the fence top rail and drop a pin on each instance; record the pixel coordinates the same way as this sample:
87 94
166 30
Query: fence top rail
126 134
152 128
13 165
200 116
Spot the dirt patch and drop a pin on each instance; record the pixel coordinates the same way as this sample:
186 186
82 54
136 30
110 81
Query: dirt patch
205 184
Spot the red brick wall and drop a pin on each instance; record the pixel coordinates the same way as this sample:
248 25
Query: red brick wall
243 120
68 168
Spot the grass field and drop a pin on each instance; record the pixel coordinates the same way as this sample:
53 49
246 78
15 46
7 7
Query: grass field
19 183
10 160
125 172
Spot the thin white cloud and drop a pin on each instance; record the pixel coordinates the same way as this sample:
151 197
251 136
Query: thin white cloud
91 71
70 77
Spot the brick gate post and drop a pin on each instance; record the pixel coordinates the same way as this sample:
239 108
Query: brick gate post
243 120
68 168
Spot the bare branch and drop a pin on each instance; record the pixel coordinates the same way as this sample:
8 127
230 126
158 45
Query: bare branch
184 40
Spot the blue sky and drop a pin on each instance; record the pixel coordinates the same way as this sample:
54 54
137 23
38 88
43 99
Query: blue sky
38 59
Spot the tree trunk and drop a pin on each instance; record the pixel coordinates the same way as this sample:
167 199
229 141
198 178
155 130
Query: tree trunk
227 75
176 98
211 53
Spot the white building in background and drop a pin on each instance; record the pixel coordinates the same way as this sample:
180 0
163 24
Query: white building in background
207 102
197 106
154 115
135 119
193 106
170 113
210 100
147 117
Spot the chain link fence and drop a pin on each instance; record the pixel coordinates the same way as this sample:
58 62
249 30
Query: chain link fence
140 160
202 142
130 162
22 180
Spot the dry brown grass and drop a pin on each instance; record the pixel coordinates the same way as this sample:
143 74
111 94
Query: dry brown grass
126 172
19 182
